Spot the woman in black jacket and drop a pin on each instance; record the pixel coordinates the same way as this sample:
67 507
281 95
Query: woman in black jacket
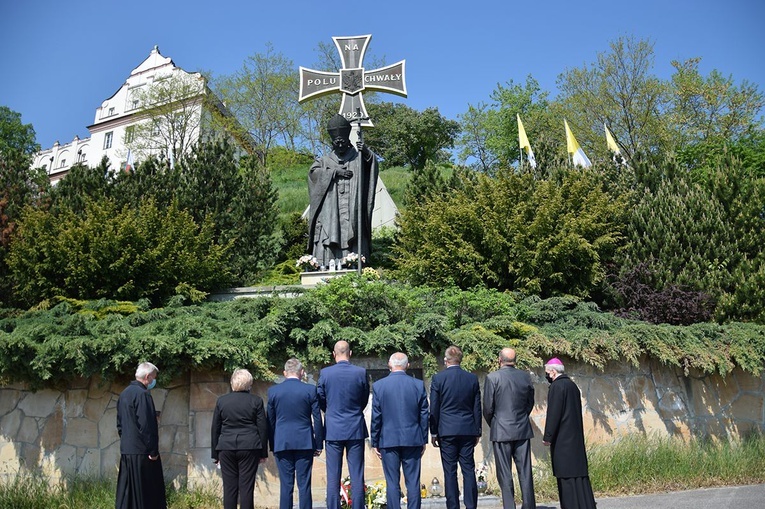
239 440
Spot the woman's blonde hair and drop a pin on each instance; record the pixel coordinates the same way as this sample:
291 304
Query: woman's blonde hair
241 380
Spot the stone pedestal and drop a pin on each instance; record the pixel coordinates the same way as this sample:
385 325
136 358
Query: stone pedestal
312 278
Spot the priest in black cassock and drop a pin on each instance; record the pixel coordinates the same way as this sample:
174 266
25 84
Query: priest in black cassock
564 433
140 482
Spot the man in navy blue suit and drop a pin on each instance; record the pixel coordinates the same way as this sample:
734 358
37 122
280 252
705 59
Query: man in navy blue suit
296 433
400 430
343 392
455 426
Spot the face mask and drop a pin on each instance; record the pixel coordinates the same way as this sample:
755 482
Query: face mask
549 378
152 384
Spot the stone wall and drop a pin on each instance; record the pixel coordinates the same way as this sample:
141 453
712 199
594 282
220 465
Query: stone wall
72 431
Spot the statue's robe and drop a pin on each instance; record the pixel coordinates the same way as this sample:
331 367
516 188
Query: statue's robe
333 221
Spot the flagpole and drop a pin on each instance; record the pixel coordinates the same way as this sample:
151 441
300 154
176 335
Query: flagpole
359 157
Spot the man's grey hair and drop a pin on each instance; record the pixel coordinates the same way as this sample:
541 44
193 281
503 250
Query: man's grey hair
555 367
398 360
145 369
293 366
241 380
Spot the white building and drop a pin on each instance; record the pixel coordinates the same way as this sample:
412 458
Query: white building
122 121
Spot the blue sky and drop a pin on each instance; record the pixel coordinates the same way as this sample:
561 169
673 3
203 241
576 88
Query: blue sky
59 60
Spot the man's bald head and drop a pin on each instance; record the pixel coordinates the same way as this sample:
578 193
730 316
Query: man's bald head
342 351
507 357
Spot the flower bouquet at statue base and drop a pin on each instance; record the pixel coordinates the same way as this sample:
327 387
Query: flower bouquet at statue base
351 260
307 263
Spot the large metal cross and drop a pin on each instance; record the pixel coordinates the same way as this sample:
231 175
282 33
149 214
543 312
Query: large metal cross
353 79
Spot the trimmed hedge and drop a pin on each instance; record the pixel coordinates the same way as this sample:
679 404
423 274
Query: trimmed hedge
64 339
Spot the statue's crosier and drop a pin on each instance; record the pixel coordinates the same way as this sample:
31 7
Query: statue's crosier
333 187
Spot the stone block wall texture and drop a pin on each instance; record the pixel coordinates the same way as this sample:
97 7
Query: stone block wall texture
61 433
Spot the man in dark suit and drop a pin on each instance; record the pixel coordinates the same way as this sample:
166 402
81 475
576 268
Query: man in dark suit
400 430
297 433
455 426
508 398
343 392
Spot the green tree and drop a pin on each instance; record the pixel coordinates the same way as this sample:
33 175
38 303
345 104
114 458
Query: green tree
82 184
705 236
103 252
711 107
237 197
20 186
294 237
514 232
489 132
712 115
15 136
255 238
403 136
476 127
510 100
619 90
439 244
172 112
750 150
151 179
262 98
234 194
426 183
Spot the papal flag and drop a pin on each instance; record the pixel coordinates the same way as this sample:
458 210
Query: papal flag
613 146
523 141
578 156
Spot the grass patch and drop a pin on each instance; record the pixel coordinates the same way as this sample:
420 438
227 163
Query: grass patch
35 492
292 184
396 179
638 465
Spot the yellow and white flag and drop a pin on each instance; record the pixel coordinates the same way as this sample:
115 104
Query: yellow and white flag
523 141
611 142
613 146
578 157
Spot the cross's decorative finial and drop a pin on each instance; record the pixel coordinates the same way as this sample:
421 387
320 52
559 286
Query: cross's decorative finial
353 79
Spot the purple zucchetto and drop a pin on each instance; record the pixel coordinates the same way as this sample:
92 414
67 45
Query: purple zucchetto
554 360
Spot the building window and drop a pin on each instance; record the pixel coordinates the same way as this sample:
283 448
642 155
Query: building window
108 140
129 134
63 163
135 104
111 111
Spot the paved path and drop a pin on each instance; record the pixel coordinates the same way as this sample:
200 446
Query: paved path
734 497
